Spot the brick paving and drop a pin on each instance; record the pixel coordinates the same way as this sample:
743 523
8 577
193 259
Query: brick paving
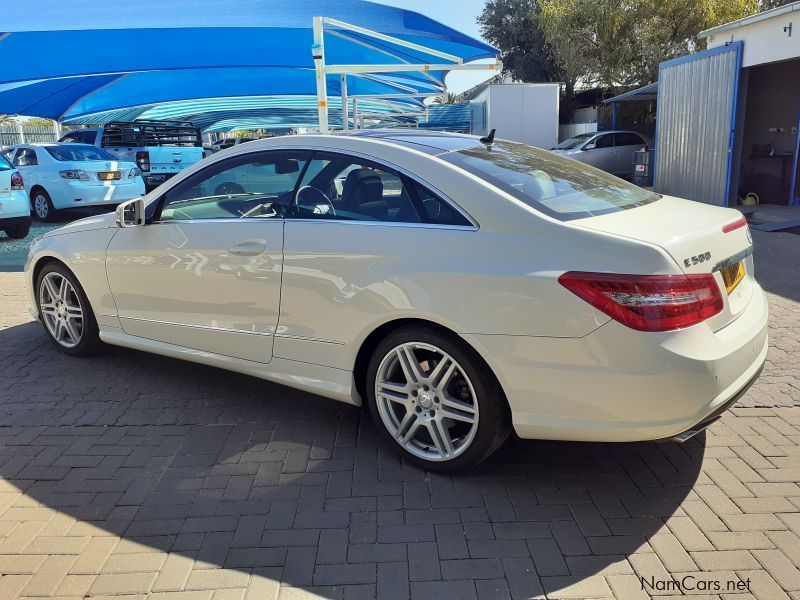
139 477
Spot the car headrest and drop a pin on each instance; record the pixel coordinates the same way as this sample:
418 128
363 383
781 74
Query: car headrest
360 187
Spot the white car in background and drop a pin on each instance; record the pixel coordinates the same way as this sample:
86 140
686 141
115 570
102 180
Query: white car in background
611 151
59 176
15 210
458 287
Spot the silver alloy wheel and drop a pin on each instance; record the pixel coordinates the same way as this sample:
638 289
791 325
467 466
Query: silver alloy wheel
61 309
40 206
426 401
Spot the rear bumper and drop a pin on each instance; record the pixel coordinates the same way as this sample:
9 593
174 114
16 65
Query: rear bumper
11 221
714 416
620 385
75 194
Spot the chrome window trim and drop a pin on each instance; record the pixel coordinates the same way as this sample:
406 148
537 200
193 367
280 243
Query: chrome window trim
315 148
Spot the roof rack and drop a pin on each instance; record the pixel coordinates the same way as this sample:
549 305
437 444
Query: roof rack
145 132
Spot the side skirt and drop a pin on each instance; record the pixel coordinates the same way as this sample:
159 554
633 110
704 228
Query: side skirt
329 382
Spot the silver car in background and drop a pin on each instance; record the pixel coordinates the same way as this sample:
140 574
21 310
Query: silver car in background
611 151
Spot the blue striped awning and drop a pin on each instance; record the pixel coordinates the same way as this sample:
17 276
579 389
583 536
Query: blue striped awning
70 60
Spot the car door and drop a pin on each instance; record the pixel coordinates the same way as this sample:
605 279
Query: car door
600 153
206 272
357 227
626 144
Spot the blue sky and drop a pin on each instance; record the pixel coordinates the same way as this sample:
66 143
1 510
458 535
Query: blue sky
460 15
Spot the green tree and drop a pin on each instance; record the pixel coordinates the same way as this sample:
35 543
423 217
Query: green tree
513 27
448 98
39 122
615 43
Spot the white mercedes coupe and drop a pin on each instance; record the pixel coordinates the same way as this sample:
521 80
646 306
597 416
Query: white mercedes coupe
459 287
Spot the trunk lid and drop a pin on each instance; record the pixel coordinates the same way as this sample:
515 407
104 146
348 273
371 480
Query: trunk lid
692 234
166 159
5 181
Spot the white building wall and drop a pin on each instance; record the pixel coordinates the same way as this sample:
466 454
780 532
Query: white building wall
767 40
524 112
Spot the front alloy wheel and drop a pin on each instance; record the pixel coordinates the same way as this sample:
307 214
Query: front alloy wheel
61 310
65 311
436 399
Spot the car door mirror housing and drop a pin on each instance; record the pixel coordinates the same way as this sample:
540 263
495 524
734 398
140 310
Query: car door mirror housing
131 213
591 146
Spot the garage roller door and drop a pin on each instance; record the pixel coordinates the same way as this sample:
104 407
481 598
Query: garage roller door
696 124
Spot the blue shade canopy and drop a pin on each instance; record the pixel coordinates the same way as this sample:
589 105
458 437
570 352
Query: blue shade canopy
281 112
72 59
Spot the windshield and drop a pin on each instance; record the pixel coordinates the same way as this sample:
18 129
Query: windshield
4 164
558 186
574 142
77 152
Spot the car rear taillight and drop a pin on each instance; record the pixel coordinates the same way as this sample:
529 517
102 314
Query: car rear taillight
143 160
648 302
16 181
74 174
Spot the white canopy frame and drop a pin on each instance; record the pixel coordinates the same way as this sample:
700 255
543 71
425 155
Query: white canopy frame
323 70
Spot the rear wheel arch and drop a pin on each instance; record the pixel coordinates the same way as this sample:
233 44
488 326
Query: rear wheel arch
370 343
37 188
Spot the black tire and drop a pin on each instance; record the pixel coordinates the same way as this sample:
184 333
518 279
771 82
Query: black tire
90 335
18 232
46 211
494 422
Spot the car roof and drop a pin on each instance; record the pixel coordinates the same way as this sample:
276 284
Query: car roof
430 142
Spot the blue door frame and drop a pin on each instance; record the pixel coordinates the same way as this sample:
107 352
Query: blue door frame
794 199
729 47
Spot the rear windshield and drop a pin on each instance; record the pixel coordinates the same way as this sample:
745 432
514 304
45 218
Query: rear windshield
77 152
4 164
557 186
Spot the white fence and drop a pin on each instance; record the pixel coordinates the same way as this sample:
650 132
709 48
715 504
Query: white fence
572 129
10 134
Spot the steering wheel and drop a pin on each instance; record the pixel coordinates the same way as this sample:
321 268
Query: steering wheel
318 210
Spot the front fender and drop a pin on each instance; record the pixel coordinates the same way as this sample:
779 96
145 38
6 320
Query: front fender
84 253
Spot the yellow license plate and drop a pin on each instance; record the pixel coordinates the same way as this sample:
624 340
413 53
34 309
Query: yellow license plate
108 176
733 275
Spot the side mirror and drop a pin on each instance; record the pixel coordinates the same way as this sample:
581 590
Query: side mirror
131 213
591 146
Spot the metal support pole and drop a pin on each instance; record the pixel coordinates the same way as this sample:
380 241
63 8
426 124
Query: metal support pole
318 51
345 109
355 113
20 131
57 130
613 115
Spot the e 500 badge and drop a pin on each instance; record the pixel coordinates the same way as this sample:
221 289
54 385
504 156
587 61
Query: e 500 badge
696 260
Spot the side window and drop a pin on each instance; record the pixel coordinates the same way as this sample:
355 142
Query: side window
629 139
71 138
437 210
604 141
346 188
259 185
26 157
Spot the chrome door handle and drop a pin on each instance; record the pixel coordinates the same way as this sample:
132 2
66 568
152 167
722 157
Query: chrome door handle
249 248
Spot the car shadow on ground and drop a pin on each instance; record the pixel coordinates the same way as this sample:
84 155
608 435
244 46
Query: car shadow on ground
239 473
